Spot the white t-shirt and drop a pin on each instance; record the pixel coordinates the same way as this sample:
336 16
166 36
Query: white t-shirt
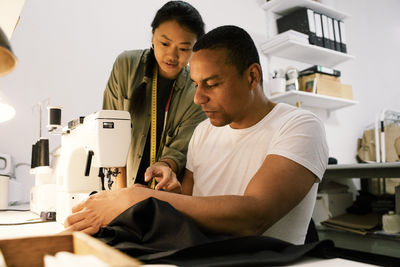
223 160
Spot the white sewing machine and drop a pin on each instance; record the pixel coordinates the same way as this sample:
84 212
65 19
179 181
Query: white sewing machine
90 147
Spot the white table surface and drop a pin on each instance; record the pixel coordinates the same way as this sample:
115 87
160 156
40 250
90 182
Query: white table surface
25 230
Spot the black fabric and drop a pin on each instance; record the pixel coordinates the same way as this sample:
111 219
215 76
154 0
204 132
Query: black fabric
154 232
312 233
164 87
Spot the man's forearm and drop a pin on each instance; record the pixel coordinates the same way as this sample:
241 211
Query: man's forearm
230 214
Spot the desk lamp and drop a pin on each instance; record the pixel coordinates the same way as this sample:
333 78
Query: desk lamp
8 61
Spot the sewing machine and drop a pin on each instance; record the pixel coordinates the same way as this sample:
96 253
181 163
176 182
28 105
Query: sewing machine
91 147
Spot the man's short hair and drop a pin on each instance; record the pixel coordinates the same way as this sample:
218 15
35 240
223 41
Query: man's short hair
241 49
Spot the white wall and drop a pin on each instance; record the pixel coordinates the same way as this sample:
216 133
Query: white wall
373 36
66 49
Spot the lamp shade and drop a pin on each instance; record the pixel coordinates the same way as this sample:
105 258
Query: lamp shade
7 112
8 61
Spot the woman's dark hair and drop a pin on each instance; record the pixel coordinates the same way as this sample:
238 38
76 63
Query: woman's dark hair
186 16
240 47
183 13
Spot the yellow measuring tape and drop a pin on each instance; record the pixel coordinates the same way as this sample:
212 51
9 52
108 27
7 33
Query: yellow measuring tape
153 136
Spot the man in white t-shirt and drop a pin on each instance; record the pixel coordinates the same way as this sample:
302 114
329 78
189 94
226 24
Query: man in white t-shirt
253 166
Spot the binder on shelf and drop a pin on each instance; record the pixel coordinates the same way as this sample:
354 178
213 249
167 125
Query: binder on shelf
331 33
337 35
318 30
320 69
343 42
301 20
325 31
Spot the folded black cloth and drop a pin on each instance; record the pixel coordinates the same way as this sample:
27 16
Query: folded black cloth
154 232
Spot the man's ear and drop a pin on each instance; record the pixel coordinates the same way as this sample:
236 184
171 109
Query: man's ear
254 75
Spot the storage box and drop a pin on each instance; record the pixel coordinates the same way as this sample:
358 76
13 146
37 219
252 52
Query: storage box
325 85
30 251
331 205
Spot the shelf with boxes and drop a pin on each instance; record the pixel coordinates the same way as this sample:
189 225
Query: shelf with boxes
303 41
300 98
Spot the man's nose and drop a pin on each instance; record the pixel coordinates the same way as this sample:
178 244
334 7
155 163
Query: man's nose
199 97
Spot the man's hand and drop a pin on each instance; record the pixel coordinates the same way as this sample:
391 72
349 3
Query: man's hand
97 211
165 177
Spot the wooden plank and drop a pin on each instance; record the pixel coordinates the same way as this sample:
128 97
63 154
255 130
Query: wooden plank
85 245
29 251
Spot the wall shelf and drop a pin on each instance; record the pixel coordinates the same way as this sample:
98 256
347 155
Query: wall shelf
306 53
307 99
283 7
290 48
363 170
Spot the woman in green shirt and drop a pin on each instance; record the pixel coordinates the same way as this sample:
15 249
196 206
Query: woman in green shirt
154 85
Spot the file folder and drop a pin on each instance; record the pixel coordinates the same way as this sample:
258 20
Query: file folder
318 30
337 35
343 46
301 20
325 31
331 33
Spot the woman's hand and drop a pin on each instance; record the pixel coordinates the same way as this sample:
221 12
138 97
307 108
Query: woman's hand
97 211
165 177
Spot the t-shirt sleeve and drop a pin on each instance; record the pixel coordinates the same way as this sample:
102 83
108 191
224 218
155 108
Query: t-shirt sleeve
303 140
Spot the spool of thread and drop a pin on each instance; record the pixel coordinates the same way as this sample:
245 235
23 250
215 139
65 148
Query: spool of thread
40 153
54 117
33 157
44 159
391 223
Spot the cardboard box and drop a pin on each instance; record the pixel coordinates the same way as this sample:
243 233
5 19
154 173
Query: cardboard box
30 251
325 85
331 205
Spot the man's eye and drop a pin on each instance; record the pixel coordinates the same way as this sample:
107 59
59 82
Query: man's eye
212 85
164 44
184 49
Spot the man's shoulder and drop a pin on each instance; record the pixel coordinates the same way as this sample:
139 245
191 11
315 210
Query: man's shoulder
287 112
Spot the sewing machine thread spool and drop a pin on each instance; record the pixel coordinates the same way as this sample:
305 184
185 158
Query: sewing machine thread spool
33 157
40 153
391 223
54 117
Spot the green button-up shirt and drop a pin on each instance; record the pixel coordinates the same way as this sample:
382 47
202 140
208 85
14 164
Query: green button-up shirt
183 115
